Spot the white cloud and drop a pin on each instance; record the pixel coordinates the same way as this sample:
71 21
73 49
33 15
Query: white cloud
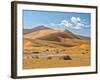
77 27
75 20
78 23
62 23
86 26
74 23
66 23
78 19
52 24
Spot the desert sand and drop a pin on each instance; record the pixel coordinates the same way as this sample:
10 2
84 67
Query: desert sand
49 48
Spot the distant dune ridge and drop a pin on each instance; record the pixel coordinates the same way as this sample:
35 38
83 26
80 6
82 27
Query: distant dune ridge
41 27
45 33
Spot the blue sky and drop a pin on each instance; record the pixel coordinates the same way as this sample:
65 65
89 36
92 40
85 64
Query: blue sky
78 23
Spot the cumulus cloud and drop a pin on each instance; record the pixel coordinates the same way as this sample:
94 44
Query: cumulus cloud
66 23
75 20
74 23
62 23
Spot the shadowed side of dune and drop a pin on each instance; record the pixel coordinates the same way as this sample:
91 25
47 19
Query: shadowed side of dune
57 36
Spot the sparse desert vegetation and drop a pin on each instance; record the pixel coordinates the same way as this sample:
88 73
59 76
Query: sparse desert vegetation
48 48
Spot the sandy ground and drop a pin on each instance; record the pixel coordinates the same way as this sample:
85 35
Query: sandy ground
77 60
78 50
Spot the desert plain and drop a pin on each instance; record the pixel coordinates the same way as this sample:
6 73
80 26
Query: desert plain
48 48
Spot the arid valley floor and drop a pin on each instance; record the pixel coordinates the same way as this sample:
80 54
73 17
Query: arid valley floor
48 48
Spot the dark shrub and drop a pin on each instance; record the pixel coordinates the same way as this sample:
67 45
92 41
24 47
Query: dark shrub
49 57
83 53
67 58
57 51
47 49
